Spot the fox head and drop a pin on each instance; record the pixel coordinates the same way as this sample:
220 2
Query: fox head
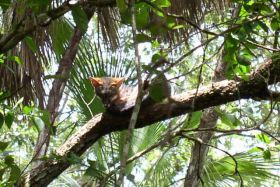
107 88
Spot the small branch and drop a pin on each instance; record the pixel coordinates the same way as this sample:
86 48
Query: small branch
222 34
58 86
178 17
138 102
236 171
269 134
265 119
233 133
262 46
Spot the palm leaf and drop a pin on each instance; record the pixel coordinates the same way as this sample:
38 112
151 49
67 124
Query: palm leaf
92 61
253 168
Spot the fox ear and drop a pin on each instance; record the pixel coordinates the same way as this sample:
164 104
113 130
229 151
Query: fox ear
95 81
118 81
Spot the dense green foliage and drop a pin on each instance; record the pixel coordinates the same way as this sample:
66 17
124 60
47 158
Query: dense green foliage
241 35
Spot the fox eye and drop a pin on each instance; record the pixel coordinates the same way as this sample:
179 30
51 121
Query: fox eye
113 85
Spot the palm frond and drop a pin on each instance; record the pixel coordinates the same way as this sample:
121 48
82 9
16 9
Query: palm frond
253 168
93 61
36 53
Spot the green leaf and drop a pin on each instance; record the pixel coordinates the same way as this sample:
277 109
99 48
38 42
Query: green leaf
131 177
242 71
45 116
95 169
243 60
9 119
267 154
275 24
156 57
194 119
241 34
4 4
255 150
231 44
27 110
227 119
263 137
3 145
179 27
91 171
171 22
80 18
147 68
14 174
248 27
142 38
36 5
159 13
2 171
262 25
261 8
41 2
121 5
9 160
98 106
163 3
4 95
126 17
59 41
142 16
31 44
157 89
74 159
2 57
38 122
2 119
16 59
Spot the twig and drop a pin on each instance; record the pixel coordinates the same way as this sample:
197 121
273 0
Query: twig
262 46
269 134
179 17
137 106
226 152
222 34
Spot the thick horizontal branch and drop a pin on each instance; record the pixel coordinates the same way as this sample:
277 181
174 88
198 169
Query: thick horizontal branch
208 96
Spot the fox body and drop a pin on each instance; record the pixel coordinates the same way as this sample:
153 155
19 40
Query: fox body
116 96
112 91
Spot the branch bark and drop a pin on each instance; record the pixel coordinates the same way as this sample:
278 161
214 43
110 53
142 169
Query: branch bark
199 151
215 94
58 86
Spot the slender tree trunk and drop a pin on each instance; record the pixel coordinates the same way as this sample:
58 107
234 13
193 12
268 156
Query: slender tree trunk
199 151
58 87
208 120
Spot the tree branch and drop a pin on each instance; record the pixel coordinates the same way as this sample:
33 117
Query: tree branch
58 86
138 102
212 95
